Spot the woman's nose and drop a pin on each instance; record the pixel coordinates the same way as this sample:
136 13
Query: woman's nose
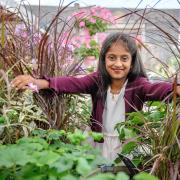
118 63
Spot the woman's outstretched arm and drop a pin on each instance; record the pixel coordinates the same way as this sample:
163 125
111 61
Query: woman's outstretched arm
23 82
65 84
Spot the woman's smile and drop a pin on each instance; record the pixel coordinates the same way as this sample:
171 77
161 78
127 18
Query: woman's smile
118 62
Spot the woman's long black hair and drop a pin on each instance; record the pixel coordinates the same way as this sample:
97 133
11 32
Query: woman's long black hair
137 69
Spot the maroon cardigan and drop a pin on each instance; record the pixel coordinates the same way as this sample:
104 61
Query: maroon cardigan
136 93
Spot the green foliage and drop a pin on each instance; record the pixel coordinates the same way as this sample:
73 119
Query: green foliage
127 148
11 155
83 167
83 51
150 135
96 136
47 157
19 116
77 137
99 26
145 176
106 176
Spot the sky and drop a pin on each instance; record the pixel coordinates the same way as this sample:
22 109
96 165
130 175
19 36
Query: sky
114 3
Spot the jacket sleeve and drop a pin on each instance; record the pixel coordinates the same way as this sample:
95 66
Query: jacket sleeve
70 84
155 91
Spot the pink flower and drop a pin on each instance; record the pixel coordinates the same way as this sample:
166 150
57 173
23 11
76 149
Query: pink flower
86 32
82 24
92 20
87 43
33 87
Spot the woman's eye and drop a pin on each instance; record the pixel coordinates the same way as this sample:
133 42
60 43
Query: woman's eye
125 58
111 58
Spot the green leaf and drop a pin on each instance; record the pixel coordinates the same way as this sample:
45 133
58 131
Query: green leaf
127 148
28 140
156 116
120 129
2 119
5 173
31 171
62 164
77 137
31 147
96 136
122 176
45 157
145 176
39 132
83 167
154 103
129 133
137 120
55 135
137 160
106 176
68 177
13 155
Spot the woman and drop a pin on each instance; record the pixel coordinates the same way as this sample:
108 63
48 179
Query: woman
118 87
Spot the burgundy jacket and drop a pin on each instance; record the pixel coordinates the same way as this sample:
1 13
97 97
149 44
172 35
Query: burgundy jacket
136 93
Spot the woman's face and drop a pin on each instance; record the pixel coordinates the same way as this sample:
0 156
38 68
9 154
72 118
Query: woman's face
118 62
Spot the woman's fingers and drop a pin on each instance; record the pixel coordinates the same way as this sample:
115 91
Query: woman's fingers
15 83
21 82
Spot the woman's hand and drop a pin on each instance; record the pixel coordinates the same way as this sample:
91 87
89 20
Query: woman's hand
22 82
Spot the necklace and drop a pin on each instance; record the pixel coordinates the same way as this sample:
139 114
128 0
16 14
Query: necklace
114 94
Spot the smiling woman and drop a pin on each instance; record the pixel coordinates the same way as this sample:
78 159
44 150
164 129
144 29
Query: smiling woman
118 64
120 72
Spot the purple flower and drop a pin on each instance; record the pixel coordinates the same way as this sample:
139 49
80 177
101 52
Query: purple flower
34 61
20 30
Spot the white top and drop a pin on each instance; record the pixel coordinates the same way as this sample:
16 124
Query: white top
114 112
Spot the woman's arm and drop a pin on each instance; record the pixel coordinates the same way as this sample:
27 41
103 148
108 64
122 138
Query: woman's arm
23 81
65 84
157 91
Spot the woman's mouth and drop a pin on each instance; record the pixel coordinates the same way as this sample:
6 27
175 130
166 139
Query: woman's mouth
117 70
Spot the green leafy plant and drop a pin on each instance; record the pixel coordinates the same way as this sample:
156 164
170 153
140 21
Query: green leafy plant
18 113
92 50
31 51
50 154
99 25
94 19
45 155
151 138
